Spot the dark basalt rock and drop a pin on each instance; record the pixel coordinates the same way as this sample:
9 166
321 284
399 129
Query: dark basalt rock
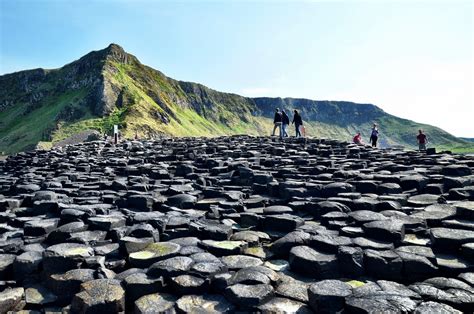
106 223
65 256
234 224
11 300
330 206
283 245
465 209
417 266
328 296
206 269
417 182
313 263
222 248
433 307
182 200
157 302
240 261
435 214
451 239
389 188
351 261
447 290
364 216
254 275
333 189
152 253
211 229
27 264
187 284
248 296
392 230
6 266
139 284
329 243
423 200
170 267
456 170
101 295
372 244
38 295
294 290
281 223
383 264
207 302
66 285
276 304
379 305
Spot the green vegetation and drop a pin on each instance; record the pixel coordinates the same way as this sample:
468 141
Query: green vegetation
110 87
22 127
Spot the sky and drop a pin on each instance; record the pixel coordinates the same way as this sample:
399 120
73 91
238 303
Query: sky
414 59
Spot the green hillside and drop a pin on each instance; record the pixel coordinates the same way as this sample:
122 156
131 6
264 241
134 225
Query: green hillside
110 86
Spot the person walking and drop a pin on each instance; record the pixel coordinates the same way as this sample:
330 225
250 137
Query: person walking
422 140
285 121
277 121
374 135
298 123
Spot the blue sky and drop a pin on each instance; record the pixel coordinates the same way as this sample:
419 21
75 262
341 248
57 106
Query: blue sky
414 59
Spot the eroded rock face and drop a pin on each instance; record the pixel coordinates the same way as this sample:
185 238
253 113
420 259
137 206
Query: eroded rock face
236 224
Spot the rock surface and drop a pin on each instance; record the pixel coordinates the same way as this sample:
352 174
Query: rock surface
236 224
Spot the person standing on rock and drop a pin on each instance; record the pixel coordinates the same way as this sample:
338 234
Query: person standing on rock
374 135
422 140
298 123
285 120
277 119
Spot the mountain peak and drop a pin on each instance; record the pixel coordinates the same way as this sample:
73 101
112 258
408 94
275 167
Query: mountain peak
115 48
116 53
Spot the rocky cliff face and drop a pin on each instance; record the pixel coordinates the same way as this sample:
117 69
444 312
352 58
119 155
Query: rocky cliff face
31 87
322 111
110 86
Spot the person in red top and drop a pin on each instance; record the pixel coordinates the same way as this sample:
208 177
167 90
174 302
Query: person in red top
357 139
421 140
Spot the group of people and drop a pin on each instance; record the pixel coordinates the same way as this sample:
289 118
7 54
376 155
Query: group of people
281 120
374 136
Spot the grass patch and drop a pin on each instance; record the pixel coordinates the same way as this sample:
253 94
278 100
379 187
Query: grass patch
21 128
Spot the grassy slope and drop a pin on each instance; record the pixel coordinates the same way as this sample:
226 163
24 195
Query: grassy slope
139 114
405 131
19 130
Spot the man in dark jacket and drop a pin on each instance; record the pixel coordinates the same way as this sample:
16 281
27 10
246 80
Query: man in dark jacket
422 140
298 123
285 121
277 121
